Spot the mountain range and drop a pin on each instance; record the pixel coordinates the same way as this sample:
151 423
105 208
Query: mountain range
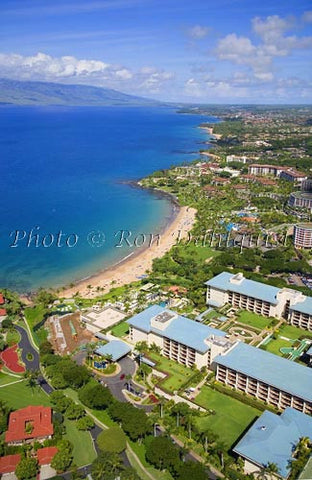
45 93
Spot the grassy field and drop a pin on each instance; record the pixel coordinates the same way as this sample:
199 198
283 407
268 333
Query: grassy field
33 317
83 451
178 374
19 395
120 330
7 379
253 320
291 332
231 418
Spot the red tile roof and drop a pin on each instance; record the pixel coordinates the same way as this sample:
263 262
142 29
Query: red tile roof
2 301
3 312
45 455
8 464
40 418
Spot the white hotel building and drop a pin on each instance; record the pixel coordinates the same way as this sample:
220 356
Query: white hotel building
260 298
179 338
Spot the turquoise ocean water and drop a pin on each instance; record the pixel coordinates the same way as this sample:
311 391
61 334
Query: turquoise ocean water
64 174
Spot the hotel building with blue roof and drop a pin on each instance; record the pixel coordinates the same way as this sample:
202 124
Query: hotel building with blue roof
179 338
272 438
268 377
260 298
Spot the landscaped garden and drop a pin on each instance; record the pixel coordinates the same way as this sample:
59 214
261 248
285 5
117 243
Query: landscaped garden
287 337
231 417
177 374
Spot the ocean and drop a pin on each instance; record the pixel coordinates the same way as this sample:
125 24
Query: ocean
66 195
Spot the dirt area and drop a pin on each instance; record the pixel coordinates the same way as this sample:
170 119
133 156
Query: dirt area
66 333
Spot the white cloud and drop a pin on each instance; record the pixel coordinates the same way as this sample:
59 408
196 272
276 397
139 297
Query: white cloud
198 32
69 69
273 43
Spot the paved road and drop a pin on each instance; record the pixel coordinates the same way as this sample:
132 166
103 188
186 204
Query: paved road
115 384
27 347
34 364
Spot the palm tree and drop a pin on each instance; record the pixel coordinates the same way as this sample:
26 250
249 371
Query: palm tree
208 437
114 461
272 468
99 470
32 378
220 448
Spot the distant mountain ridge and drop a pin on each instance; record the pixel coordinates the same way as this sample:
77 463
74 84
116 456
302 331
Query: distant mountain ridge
45 93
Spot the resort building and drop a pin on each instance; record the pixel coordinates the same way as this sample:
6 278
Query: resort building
303 235
29 424
179 338
286 173
268 377
260 298
300 200
237 158
293 176
271 439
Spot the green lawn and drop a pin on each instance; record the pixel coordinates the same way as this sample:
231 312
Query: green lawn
253 320
7 379
120 330
12 337
19 395
83 452
291 332
231 419
178 374
33 317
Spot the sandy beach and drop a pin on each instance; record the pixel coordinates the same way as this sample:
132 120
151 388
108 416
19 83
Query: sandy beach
209 130
139 263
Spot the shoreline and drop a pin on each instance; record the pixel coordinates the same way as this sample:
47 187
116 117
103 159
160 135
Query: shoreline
136 263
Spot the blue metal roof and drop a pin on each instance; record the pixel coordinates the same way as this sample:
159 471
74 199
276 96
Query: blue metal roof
258 290
272 438
303 307
180 329
269 368
116 348
309 352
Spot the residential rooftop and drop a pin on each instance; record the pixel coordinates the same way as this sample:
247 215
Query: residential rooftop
180 329
269 368
38 416
272 437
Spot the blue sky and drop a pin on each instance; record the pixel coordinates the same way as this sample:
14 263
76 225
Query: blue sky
226 51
